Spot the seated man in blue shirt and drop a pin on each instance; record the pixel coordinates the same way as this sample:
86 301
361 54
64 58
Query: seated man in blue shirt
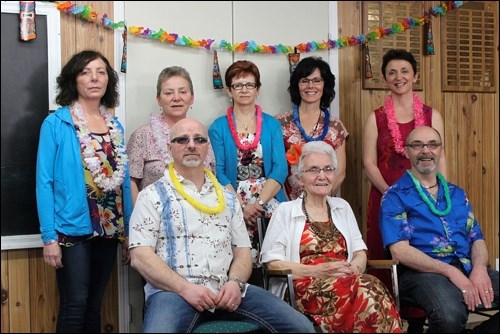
428 225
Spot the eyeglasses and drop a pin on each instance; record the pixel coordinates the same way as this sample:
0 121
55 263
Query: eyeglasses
419 146
185 140
315 81
316 171
248 85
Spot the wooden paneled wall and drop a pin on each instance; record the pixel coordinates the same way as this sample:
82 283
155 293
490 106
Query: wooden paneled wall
30 299
471 127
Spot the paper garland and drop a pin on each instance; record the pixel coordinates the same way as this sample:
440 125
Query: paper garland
88 14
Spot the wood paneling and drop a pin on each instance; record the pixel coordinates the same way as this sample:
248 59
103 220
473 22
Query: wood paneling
471 126
30 298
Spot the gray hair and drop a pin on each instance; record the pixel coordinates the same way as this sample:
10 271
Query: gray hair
173 71
315 147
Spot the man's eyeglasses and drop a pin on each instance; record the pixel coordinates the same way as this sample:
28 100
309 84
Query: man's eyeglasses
419 146
316 171
248 85
315 81
185 140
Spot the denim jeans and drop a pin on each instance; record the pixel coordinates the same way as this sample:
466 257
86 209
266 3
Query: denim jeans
81 281
167 312
442 300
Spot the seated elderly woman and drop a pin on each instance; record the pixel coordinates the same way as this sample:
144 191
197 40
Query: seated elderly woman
317 237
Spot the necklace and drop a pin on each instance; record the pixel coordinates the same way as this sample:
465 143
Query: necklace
441 180
428 187
328 236
307 138
161 135
393 125
91 159
197 205
234 133
245 124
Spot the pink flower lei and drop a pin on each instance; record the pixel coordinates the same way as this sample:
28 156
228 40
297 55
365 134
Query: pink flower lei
234 133
91 159
393 125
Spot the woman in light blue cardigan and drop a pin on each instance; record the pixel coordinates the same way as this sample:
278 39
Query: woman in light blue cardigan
83 189
249 149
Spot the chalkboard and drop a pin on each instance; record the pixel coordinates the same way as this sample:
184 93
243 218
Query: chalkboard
25 102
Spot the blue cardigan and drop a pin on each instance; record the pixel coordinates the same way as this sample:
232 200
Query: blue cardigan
60 183
273 147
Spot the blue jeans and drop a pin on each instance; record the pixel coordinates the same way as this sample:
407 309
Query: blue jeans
167 312
442 300
81 282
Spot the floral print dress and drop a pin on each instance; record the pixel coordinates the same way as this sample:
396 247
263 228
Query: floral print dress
351 304
250 181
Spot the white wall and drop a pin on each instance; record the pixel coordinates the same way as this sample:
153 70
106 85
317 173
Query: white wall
268 23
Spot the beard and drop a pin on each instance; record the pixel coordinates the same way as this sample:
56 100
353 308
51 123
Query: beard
191 162
426 169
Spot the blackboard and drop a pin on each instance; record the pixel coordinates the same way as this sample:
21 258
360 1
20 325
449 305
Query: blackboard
25 103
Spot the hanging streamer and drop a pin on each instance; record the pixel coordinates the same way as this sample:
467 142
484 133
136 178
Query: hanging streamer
123 68
429 39
216 76
293 60
27 26
368 65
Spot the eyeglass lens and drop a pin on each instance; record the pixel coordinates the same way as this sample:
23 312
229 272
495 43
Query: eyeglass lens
248 85
185 140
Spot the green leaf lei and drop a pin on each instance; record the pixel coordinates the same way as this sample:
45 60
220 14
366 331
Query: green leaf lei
426 199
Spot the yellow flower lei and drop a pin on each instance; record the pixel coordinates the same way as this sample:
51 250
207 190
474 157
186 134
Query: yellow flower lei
197 205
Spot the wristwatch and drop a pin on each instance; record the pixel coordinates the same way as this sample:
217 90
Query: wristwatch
260 202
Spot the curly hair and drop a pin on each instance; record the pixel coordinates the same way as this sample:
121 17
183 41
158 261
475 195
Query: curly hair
305 67
67 92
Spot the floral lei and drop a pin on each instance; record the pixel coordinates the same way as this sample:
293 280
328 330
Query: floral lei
197 205
307 138
161 135
91 159
447 198
393 125
232 127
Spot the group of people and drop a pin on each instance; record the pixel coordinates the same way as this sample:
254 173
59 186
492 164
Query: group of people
184 201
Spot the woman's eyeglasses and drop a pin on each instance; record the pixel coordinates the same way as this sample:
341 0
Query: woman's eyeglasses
316 170
419 146
248 85
185 140
314 81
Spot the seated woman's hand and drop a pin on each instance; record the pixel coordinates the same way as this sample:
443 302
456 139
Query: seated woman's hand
334 268
252 212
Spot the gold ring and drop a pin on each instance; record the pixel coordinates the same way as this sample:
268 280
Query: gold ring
464 291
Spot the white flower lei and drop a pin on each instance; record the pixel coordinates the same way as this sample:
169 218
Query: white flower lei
92 159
